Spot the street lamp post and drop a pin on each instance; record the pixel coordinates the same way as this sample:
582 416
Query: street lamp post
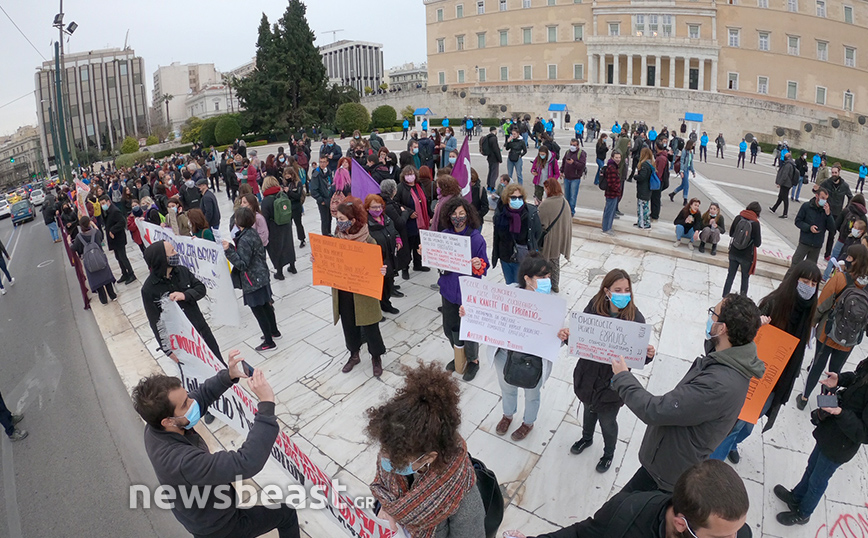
64 120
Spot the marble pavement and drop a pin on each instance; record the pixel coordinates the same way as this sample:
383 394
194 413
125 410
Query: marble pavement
545 486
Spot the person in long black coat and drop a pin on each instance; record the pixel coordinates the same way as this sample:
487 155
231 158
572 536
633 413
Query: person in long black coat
399 215
101 281
295 190
280 248
116 237
383 231
479 197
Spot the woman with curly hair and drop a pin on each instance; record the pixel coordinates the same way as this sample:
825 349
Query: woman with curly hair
425 482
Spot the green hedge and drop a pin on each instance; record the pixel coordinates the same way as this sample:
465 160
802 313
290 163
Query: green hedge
848 165
129 159
167 152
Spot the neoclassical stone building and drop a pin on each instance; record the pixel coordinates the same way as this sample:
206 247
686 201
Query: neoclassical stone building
810 53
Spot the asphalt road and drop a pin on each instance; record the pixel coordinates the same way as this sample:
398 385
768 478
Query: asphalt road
71 476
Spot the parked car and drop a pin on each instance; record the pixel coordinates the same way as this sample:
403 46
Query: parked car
22 211
37 196
5 210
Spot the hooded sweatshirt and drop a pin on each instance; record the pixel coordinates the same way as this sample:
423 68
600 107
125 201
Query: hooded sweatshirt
689 422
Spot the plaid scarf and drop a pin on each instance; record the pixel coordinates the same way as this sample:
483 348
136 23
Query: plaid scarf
432 499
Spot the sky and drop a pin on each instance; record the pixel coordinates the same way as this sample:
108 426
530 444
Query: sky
222 32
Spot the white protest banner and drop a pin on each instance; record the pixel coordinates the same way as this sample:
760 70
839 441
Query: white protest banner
237 409
511 318
603 339
206 260
449 252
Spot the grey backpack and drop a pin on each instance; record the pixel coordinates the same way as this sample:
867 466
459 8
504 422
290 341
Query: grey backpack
93 257
849 316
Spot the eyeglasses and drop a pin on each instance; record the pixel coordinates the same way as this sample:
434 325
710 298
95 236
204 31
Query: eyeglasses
516 197
712 313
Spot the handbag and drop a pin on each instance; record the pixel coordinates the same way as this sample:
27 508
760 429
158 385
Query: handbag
235 274
522 370
542 237
492 497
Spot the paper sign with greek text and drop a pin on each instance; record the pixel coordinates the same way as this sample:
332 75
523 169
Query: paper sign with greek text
603 339
774 347
511 318
449 252
347 265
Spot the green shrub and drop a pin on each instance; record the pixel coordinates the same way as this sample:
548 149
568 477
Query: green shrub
166 152
352 116
384 116
129 159
129 145
207 131
152 140
227 130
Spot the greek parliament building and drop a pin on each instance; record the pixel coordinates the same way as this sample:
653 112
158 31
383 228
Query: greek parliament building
104 96
755 65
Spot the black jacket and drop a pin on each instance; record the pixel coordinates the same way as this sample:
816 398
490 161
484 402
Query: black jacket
840 436
504 241
209 206
247 257
320 185
190 197
837 193
116 225
399 216
810 214
516 148
643 181
385 235
492 148
479 200
184 461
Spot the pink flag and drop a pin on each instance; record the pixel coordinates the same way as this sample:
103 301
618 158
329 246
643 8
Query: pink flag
363 183
461 170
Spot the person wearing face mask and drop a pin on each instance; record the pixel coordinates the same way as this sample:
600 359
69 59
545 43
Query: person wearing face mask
848 232
688 223
99 275
189 194
116 232
413 199
545 165
516 148
447 188
517 229
557 236
686 424
835 302
176 219
814 220
332 152
320 189
573 168
791 308
184 464
711 227
592 380
425 482
448 144
383 230
135 213
838 190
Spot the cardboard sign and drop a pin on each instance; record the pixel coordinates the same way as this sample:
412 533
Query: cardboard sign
774 347
237 408
604 339
347 265
511 318
449 252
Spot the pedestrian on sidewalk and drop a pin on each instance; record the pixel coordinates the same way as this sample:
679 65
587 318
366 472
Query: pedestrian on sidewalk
384 232
754 150
9 420
613 183
602 150
517 229
88 246
814 220
592 380
710 397
787 176
280 246
863 171
415 201
643 189
703 147
840 432
573 168
116 230
742 149
686 166
721 145
802 167
557 229
490 149
791 308
851 226
321 190
838 190
745 237
711 228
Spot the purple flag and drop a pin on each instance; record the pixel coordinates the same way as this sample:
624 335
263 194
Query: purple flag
461 170
363 183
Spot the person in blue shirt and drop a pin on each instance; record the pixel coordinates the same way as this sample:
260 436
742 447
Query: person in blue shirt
445 122
815 166
652 134
469 126
424 125
580 130
616 129
703 147
406 129
863 171
742 151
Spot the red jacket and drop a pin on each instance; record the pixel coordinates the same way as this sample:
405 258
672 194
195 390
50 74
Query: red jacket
613 180
134 230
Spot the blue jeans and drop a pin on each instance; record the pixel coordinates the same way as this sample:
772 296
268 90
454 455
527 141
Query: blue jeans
571 191
836 251
685 184
510 392
510 272
609 213
600 165
739 433
524 137
680 234
514 166
52 227
813 484
797 189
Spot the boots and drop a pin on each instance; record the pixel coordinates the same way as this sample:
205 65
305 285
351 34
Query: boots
378 365
351 363
460 361
714 249
702 247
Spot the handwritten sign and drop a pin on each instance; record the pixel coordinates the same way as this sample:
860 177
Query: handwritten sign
603 339
511 318
774 347
347 265
449 252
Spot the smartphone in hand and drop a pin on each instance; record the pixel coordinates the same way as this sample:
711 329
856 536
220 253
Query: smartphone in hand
827 400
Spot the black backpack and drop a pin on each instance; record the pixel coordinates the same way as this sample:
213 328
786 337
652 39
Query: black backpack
492 497
604 183
849 315
741 237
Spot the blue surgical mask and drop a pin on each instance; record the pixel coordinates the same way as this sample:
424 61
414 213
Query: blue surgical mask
708 325
516 204
452 160
620 300
405 471
193 415
821 202
415 151
544 285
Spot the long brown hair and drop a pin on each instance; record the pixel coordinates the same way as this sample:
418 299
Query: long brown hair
645 156
685 211
601 302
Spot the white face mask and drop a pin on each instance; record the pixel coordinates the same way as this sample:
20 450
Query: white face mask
862 281
855 232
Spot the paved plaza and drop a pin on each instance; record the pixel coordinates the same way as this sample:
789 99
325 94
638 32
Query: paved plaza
545 486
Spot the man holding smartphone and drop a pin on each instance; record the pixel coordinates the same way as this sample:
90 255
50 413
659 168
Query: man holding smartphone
841 421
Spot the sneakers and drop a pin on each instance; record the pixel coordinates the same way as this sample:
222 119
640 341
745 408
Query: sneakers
604 464
265 347
470 370
451 366
580 446
734 456
677 244
12 282
801 402
690 246
788 519
2 291
18 435
351 363
378 365
390 309
522 430
671 196
17 418
786 495
503 426
302 244
771 209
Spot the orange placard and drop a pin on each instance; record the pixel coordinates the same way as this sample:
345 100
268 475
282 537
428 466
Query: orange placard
774 347
347 265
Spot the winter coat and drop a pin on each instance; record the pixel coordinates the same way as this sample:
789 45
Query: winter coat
788 175
516 148
320 185
247 257
385 235
574 163
837 192
689 422
367 309
613 179
115 224
210 208
840 436
280 247
479 199
592 380
811 214
448 283
504 241
643 181
559 240
398 215
97 279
